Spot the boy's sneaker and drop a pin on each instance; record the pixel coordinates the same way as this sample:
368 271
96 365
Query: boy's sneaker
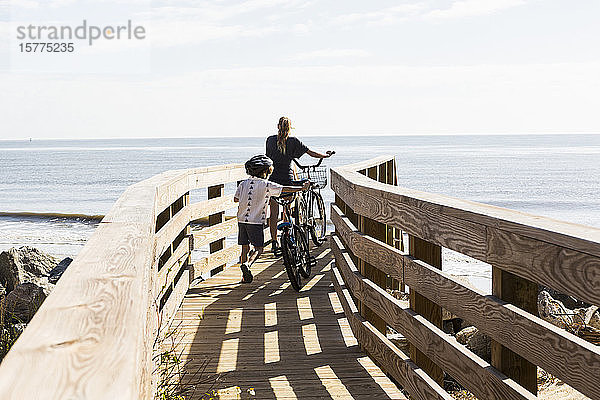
246 274
275 249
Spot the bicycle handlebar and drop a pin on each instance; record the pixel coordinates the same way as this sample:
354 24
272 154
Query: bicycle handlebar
311 166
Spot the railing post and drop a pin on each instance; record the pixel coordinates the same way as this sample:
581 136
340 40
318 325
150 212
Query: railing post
387 174
213 219
431 254
188 234
377 231
523 294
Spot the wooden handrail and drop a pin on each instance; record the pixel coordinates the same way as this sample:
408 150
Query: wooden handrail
557 254
98 327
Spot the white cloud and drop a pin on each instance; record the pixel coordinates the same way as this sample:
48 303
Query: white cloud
471 8
330 54
419 10
384 16
324 100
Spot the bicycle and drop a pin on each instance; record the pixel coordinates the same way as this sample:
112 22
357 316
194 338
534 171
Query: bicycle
294 245
310 205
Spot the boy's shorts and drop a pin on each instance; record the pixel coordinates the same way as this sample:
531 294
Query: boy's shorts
251 233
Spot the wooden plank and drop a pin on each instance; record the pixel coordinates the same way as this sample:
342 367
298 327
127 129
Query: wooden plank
431 254
205 208
79 329
167 234
569 271
523 294
208 234
171 268
413 379
558 352
478 376
221 257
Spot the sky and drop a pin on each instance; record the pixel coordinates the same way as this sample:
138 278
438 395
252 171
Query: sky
231 68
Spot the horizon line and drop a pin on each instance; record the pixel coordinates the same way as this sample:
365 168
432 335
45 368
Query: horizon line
303 135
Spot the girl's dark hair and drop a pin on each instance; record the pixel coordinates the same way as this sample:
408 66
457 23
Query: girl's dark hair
283 131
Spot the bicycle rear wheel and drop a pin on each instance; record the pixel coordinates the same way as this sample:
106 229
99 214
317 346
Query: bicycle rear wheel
318 219
290 260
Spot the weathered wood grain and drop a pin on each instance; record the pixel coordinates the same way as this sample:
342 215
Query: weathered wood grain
562 354
522 293
569 271
472 372
432 254
413 379
209 234
100 315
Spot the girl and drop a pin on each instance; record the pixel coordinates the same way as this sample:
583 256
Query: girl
282 149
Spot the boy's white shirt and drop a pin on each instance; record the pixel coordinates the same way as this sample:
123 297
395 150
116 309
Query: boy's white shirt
253 195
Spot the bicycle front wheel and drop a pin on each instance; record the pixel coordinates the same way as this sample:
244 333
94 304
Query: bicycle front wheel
318 219
305 264
290 260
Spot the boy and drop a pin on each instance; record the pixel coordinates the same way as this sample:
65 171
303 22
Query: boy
253 197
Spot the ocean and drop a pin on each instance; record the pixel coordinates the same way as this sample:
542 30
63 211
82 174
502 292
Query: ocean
549 175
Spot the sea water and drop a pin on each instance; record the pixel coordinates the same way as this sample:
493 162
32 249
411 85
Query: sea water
550 175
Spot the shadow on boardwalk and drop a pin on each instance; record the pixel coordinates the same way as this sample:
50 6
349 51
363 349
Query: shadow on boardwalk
269 342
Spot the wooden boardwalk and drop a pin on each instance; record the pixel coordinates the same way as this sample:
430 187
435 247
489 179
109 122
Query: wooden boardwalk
267 341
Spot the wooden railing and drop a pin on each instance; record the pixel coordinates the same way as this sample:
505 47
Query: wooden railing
96 335
524 251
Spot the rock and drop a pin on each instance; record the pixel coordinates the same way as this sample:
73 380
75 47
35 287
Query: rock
57 271
21 304
400 341
569 302
475 341
590 316
554 311
25 264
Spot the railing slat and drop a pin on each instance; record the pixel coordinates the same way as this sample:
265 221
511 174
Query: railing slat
205 208
214 260
209 234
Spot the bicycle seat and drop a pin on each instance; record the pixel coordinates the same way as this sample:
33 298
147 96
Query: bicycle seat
283 225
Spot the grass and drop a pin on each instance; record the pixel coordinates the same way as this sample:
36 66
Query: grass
176 380
9 331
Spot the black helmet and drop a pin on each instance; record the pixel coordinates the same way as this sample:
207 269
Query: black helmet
257 165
